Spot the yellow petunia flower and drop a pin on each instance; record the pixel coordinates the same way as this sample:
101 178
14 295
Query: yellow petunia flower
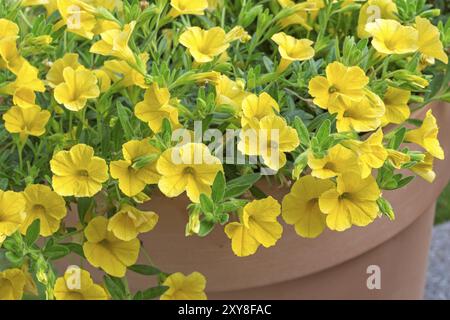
258 226
352 202
300 206
46 205
55 75
12 212
12 283
49 5
270 140
115 43
190 168
304 12
156 107
424 168
77 284
397 158
79 85
430 44
390 37
204 45
9 55
132 180
119 70
361 116
25 122
104 250
341 83
181 287
254 108
194 7
292 49
78 172
26 79
427 136
128 222
78 16
372 10
371 153
229 92
104 81
396 103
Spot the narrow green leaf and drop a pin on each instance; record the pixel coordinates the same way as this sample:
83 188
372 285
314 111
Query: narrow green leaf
144 269
218 187
33 232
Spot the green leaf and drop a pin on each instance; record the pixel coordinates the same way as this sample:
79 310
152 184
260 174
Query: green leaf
33 232
238 186
75 248
386 208
206 203
83 206
302 131
324 131
233 205
206 227
397 139
115 287
154 292
57 251
144 269
124 118
218 187
15 259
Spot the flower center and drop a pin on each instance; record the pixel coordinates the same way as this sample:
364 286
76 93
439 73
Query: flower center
38 209
83 173
332 90
188 170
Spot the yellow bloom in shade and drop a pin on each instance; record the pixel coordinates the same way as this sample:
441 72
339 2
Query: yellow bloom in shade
104 250
132 179
229 92
12 212
79 85
78 172
341 82
46 205
190 168
302 12
396 103
424 168
338 160
129 222
397 158
119 70
50 5
78 16
300 206
204 45
427 136
258 226
156 107
430 44
77 284
9 55
390 37
375 9
12 283
292 49
55 75
194 7
181 287
361 116
371 153
270 140
25 122
352 202
104 81
115 43
254 108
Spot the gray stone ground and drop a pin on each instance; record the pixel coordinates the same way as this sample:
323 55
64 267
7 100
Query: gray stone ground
438 276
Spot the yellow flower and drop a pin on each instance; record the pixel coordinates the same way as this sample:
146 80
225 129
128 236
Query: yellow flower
427 136
104 81
195 7
46 205
119 70
79 85
181 287
12 283
55 75
341 82
270 140
25 122
352 202
12 212
390 37
396 103
430 44
300 206
190 168
372 10
78 172
77 284
156 107
115 43
204 45
292 49
129 222
338 160
9 55
302 11
424 168
229 92
371 153
258 226
50 5
361 116
254 108
397 158
27 79
104 250
78 16
237 33
132 179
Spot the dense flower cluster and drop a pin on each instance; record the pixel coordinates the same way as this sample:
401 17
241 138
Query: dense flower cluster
95 96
